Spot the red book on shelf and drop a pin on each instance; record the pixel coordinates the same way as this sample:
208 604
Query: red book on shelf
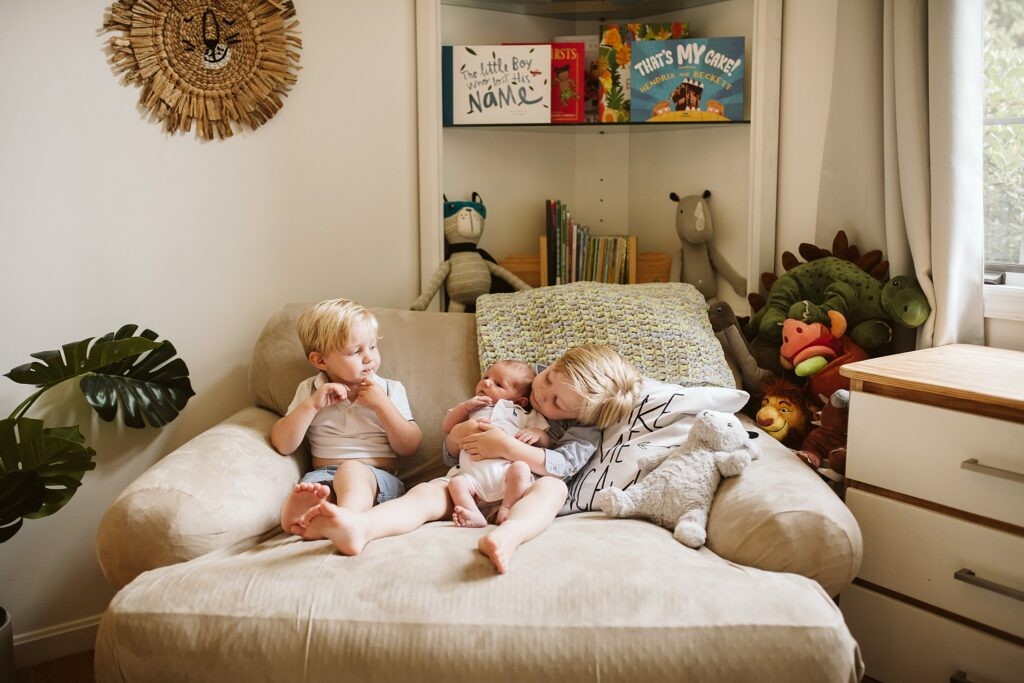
567 84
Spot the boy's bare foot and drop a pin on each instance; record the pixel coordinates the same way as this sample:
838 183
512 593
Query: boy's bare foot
302 498
468 518
500 545
345 529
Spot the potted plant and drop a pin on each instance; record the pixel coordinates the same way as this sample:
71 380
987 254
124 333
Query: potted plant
41 467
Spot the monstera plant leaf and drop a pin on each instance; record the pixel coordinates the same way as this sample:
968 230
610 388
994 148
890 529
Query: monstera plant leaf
40 469
137 373
79 358
21 493
154 385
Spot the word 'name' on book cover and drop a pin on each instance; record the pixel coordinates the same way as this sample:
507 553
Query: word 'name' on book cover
489 84
692 79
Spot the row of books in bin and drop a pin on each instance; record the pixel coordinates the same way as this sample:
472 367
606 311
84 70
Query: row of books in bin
628 73
574 254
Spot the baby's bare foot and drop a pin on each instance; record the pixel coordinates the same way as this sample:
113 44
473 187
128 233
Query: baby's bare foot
465 517
302 498
499 546
502 515
345 529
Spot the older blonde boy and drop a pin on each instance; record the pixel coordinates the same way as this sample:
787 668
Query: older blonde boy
357 423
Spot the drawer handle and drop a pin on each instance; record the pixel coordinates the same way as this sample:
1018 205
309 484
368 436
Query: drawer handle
959 677
976 466
967 576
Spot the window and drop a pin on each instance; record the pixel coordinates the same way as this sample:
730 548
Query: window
1004 141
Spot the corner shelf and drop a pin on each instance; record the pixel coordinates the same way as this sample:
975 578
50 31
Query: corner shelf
619 179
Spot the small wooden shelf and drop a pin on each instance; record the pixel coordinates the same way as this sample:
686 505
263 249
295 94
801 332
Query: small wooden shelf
642 267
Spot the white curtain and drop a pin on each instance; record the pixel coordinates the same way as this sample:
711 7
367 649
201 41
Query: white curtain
901 162
932 99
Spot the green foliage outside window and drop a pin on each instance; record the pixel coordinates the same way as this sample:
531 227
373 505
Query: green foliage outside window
1004 132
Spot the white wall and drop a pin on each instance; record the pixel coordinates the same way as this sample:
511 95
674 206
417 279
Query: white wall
106 220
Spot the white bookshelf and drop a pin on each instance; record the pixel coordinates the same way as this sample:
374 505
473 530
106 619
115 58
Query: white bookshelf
615 178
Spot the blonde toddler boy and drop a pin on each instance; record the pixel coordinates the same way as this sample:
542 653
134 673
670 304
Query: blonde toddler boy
357 423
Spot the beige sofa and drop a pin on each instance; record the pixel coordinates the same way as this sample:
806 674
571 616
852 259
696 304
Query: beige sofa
212 590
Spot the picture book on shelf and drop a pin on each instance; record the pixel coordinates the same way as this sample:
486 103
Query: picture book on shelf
614 59
567 64
591 86
494 84
567 86
692 79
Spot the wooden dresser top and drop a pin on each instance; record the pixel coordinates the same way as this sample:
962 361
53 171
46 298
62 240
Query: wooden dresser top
956 374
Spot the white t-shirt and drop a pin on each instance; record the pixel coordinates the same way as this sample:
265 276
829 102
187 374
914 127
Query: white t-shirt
346 430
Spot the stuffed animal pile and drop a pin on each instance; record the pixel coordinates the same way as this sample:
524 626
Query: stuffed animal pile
676 486
838 307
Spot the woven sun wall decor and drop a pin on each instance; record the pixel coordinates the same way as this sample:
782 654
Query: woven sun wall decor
217 63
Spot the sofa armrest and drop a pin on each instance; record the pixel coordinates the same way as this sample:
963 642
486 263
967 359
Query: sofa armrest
780 516
225 485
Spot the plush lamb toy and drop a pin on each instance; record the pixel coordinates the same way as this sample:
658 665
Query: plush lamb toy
700 259
467 274
680 482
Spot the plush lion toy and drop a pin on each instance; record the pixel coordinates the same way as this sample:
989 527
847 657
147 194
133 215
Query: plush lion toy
677 485
466 274
784 412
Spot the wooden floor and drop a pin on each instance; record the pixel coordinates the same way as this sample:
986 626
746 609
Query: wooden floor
73 669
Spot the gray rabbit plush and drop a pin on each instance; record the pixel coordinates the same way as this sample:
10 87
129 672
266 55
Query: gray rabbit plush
677 486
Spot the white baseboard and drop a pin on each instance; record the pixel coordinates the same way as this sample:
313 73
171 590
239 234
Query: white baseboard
54 642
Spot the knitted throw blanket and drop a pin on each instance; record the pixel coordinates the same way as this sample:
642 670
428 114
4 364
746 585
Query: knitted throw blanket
662 328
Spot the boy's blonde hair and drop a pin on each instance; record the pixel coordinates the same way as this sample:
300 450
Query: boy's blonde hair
329 325
607 384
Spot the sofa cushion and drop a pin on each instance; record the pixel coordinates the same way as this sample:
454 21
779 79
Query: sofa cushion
662 328
438 370
777 515
591 598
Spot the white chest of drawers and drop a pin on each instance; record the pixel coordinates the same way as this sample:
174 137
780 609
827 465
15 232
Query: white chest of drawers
935 477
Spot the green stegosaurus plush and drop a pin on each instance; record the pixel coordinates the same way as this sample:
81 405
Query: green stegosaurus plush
810 290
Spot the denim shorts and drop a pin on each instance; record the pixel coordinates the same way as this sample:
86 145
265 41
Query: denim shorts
388 485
